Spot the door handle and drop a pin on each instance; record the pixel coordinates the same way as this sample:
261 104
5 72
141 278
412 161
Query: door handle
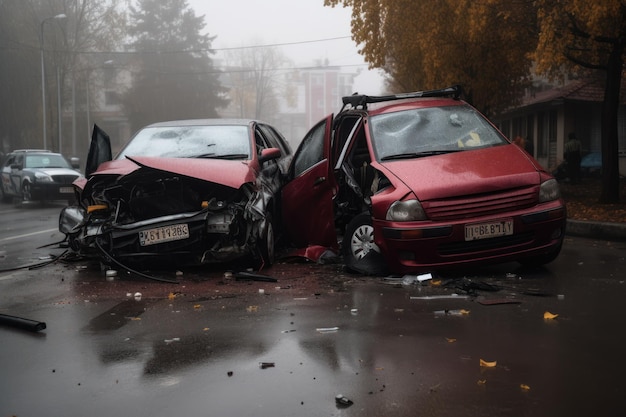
319 180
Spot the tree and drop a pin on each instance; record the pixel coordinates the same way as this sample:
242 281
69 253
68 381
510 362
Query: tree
68 44
591 35
482 45
254 83
174 76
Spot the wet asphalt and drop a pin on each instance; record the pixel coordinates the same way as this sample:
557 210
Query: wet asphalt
214 345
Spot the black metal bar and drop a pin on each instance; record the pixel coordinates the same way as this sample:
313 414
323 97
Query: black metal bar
22 323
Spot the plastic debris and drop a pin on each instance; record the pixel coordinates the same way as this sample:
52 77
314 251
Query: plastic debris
327 329
137 296
22 323
342 401
459 312
264 365
354 311
549 316
486 364
249 276
414 279
441 297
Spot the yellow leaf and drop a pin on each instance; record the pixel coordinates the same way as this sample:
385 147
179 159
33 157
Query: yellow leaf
524 387
464 312
450 340
486 364
482 381
171 296
549 316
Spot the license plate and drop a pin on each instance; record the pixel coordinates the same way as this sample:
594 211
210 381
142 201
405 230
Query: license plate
163 234
488 230
66 190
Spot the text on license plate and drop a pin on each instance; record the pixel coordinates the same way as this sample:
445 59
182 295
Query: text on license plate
163 234
487 230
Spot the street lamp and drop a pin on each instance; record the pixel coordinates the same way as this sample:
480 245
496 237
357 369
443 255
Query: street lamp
43 72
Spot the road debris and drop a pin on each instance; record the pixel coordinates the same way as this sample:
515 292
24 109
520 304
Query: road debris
549 316
327 329
342 401
265 365
487 364
22 323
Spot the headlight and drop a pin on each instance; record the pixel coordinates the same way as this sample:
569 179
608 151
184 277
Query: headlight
71 219
406 211
41 177
549 191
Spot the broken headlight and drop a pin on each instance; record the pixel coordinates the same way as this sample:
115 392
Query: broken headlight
406 211
71 219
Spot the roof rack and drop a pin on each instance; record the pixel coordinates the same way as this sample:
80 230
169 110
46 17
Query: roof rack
360 100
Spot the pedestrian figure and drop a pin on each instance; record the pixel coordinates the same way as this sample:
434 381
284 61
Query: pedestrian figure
573 154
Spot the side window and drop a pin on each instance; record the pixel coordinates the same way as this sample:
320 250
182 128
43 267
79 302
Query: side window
261 143
276 140
311 149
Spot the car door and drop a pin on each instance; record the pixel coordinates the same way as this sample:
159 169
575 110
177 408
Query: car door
99 150
16 172
307 199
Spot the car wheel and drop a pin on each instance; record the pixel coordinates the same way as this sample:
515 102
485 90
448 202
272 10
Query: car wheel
360 253
26 192
266 244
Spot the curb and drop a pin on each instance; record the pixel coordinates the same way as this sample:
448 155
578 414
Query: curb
597 230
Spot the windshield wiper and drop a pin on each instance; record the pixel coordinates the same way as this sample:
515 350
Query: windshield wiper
410 155
226 156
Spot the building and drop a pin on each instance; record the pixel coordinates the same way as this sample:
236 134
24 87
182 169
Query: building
547 114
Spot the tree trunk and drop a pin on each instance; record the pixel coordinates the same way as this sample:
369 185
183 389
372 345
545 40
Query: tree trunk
610 144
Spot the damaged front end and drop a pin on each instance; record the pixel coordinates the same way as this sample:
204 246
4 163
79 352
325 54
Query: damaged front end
153 217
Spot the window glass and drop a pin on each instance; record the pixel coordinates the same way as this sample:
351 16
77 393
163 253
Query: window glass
46 161
311 150
436 129
190 141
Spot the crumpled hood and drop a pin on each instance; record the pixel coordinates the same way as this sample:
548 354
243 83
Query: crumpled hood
467 172
229 173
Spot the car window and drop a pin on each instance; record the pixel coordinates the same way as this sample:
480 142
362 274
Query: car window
311 149
425 131
190 142
275 139
46 161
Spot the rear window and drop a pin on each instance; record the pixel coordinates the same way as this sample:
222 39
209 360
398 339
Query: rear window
425 131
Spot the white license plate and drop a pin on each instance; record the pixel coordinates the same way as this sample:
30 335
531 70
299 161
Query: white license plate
163 234
487 230
66 190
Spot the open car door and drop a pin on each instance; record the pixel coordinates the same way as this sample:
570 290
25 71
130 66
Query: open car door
99 150
307 199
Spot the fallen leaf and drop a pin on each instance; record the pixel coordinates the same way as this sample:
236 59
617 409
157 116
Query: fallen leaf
486 364
482 381
252 309
549 316
450 340
171 296
524 387
197 307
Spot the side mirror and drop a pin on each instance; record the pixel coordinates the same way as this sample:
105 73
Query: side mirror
269 154
16 166
75 162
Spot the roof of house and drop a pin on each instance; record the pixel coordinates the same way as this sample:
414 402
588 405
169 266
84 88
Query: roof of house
577 90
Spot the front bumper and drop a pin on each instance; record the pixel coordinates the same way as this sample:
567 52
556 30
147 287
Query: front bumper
424 246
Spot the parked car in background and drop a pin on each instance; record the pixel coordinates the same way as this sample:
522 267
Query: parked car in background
185 192
38 175
418 182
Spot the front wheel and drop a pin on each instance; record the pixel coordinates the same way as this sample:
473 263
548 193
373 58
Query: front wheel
360 252
27 194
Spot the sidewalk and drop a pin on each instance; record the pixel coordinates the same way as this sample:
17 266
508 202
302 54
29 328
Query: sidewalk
597 230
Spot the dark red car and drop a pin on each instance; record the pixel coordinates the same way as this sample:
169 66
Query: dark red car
418 182
184 192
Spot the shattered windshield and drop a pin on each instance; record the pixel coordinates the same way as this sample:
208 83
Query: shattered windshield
429 131
225 141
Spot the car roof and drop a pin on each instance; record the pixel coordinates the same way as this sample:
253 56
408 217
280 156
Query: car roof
32 150
205 122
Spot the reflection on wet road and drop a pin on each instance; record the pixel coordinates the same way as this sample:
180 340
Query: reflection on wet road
196 348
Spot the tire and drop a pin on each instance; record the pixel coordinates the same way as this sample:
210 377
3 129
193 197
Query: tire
360 253
26 192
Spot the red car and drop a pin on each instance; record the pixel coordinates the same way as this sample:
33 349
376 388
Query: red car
418 182
185 192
